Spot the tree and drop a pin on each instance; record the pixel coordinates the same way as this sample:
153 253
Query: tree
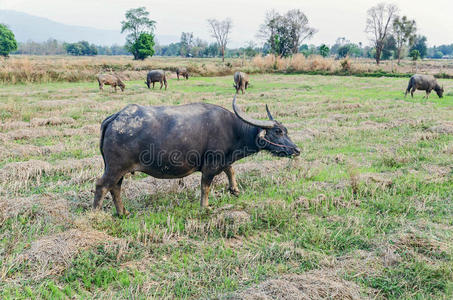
81 48
143 47
324 50
220 31
285 33
389 50
186 43
420 46
140 29
404 32
414 54
7 41
378 25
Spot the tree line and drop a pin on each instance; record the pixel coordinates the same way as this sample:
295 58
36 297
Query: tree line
392 36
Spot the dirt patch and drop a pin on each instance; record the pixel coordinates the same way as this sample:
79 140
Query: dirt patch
51 255
318 284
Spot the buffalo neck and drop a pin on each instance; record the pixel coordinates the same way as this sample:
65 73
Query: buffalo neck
246 141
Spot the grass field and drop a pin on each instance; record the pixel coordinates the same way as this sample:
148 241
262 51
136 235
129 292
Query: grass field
364 212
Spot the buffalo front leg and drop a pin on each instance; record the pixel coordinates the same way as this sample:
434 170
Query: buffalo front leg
233 185
206 181
412 92
153 84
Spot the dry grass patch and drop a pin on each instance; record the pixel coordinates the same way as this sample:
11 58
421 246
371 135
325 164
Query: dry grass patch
22 172
14 125
51 121
27 134
53 205
51 255
317 284
227 221
444 128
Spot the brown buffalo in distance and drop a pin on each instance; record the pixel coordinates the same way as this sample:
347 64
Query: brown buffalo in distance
156 76
182 72
110 79
241 81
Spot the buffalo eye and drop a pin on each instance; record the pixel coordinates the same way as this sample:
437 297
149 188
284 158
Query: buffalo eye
278 131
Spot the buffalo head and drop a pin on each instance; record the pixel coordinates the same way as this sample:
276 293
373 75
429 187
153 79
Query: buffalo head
440 92
273 136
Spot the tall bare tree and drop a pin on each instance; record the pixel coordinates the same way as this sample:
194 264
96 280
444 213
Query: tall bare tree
404 31
379 25
220 31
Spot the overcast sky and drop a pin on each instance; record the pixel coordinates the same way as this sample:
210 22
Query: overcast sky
331 18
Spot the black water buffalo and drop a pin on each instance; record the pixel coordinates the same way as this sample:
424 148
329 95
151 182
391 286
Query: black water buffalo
175 141
241 81
156 76
426 83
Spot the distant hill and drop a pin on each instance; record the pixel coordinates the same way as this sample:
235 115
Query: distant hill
32 28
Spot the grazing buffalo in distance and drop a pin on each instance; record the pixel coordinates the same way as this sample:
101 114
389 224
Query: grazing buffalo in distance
182 72
241 81
110 79
426 83
156 76
175 141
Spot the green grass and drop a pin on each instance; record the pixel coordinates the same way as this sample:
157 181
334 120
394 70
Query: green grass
373 178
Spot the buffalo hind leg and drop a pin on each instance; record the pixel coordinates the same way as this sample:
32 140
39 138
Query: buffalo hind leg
206 181
233 185
161 84
116 195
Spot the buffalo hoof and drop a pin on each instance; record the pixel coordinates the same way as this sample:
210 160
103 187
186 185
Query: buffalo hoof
124 215
234 191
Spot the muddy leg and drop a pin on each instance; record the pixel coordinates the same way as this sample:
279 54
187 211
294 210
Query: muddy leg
116 195
101 190
206 181
233 186
161 84
153 84
412 92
